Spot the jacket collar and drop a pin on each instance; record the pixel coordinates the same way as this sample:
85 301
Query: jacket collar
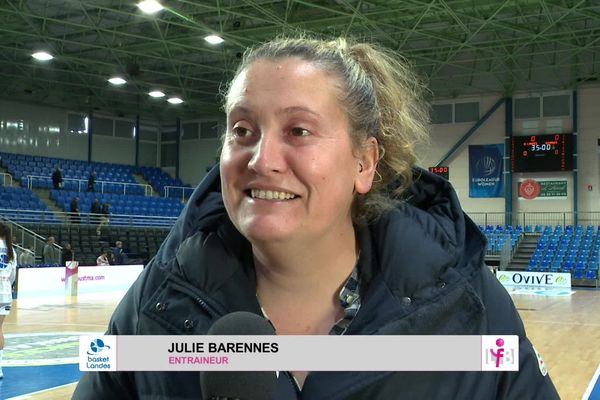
426 241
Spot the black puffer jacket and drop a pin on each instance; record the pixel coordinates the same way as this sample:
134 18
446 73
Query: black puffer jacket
425 274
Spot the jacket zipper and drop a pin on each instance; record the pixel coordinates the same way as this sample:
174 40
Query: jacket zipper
204 305
217 315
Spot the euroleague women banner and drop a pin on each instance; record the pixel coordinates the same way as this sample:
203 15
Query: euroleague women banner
485 170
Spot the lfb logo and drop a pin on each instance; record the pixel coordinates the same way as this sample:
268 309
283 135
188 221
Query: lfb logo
501 354
97 346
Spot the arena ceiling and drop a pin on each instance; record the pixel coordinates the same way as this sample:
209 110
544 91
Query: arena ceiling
461 47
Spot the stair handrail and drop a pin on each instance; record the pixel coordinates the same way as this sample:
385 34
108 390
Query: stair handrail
168 187
28 238
4 176
65 218
148 191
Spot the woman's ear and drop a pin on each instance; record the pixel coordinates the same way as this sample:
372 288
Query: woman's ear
366 165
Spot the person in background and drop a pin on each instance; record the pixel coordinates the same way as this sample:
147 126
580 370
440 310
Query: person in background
91 181
319 220
119 253
75 217
27 257
67 254
105 258
95 211
8 271
50 253
57 178
104 219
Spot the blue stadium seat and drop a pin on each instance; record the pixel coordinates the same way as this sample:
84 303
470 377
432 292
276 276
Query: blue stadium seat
591 274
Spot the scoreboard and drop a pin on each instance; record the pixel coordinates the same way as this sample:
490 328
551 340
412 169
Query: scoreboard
538 153
444 172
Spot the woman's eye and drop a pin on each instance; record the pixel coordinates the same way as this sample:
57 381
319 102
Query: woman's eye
300 132
240 131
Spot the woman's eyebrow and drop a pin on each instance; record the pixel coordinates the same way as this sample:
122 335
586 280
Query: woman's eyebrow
240 109
299 109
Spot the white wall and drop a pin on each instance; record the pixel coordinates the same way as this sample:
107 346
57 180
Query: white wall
37 130
444 136
40 130
195 157
117 150
588 149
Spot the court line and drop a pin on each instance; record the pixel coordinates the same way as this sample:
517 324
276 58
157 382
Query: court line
588 392
28 395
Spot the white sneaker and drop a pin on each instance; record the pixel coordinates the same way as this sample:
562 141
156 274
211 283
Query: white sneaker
1 373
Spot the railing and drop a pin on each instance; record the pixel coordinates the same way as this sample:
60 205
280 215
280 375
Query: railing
506 254
82 183
6 177
535 218
183 190
55 218
27 239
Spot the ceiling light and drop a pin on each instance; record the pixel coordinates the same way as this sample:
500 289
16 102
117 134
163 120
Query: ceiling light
156 93
175 100
42 56
117 80
214 39
150 6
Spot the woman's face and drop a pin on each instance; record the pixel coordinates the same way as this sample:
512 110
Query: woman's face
288 169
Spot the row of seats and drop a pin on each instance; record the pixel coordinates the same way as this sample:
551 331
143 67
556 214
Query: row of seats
497 237
142 243
120 204
572 249
110 178
159 179
22 205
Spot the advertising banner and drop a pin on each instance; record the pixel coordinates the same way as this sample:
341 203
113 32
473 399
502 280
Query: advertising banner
486 169
530 189
537 279
49 281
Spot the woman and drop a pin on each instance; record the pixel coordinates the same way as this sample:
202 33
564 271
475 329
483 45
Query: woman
313 220
103 259
8 272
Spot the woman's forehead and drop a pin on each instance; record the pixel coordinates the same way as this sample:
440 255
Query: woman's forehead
269 78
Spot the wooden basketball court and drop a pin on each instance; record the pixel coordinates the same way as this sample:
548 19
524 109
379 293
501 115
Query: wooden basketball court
565 330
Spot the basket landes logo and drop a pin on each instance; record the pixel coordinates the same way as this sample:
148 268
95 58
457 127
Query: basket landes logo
97 356
503 278
97 346
560 280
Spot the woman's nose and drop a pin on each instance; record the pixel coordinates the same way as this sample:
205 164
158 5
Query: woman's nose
268 155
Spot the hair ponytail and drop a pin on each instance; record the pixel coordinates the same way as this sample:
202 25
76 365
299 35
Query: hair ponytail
6 233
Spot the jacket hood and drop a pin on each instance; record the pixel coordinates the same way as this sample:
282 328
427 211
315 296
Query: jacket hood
425 236
427 233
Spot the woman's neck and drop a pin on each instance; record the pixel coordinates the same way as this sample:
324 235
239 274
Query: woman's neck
298 285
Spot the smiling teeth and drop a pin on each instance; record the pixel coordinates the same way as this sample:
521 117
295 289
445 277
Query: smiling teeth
271 195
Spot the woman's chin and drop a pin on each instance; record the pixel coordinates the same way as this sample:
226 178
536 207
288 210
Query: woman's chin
261 232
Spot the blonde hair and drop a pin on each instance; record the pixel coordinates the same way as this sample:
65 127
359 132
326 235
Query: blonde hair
382 97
